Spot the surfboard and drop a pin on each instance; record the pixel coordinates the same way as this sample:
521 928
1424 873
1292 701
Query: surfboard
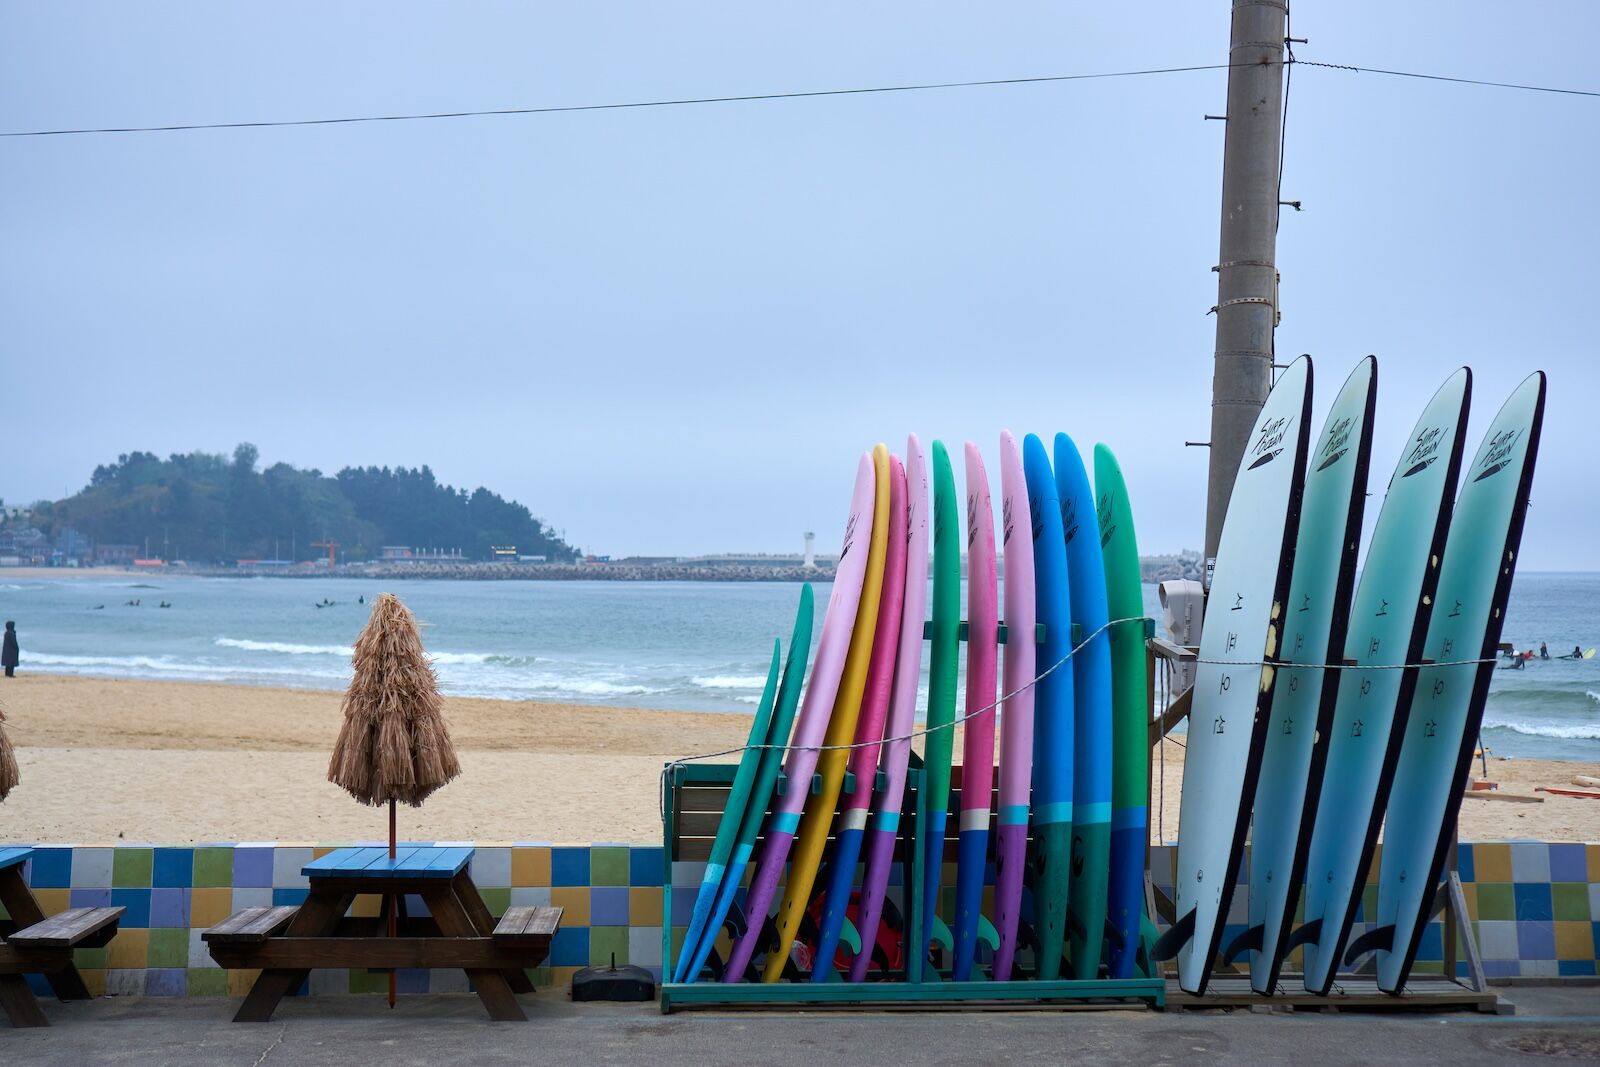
1480 560
1052 718
1016 714
1316 617
832 647
1233 688
1388 621
862 762
944 662
822 804
1130 716
732 818
1091 714
977 753
752 811
896 752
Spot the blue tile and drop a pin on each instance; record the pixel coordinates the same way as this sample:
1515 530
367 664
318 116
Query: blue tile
1533 902
166 982
284 897
608 905
411 980
569 866
1536 940
1501 968
50 868
169 907
1594 928
1569 863
89 898
1464 864
1431 947
570 947
137 901
1572 968
172 868
683 907
647 866
40 985
252 868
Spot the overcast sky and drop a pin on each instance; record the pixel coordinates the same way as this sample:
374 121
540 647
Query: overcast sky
671 330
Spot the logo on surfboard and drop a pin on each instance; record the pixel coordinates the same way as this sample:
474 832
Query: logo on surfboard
1497 455
1337 444
1108 525
1424 451
1269 442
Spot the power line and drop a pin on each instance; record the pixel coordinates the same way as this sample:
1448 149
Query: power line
920 87
1448 78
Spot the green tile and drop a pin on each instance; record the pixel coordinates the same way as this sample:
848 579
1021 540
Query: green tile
605 940
130 868
89 958
1369 903
608 866
168 947
365 981
1495 901
213 867
540 977
208 982
1570 900
4 914
499 899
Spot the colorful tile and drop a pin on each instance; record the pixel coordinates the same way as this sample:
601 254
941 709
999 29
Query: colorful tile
169 908
209 906
1536 941
172 868
608 865
569 866
644 946
1497 939
1530 861
129 949
644 906
1568 862
50 868
535 896
570 947
574 904
1496 900
645 866
608 905
1491 862
496 898
212 867
252 867
210 982
1574 940
137 903
1533 901
491 867
607 943
101 898
530 867
131 868
1570 900
168 947
91 868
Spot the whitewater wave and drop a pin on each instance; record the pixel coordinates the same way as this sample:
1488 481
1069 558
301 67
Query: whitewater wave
730 681
1574 732
1592 695
168 667
287 648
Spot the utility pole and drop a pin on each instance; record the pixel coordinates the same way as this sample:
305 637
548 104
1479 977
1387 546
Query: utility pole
1247 275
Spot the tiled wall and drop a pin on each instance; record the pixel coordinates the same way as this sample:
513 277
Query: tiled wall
1535 907
611 896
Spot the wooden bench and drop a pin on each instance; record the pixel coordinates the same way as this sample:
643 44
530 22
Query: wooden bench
251 926
43 945
528 926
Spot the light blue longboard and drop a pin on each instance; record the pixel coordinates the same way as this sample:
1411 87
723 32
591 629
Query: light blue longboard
1091 713
745 813
1388 621
1480 559
1052 715
1317 615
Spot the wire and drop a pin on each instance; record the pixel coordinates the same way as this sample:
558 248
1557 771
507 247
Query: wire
683 102
1449 78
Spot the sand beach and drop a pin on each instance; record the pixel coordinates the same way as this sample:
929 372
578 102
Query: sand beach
108 760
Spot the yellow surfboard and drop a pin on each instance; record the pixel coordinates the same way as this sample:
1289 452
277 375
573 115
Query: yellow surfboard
820 806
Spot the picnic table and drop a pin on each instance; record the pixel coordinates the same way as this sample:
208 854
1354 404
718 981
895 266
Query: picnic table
287 942
33 944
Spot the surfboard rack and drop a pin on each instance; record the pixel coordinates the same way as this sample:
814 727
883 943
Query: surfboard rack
1352 991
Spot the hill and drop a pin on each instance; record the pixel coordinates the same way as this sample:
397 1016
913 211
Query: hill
210 508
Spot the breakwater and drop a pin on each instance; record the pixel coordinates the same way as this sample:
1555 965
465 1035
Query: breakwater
531 572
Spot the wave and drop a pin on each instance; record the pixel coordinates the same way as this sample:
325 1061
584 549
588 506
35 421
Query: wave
461 658
1592 695
1566 733
731 681
287 648
166 666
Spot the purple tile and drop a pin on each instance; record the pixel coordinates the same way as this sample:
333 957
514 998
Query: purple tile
89 898
169 907
166 982
1569 863
252 868
1501 968
608 905
411 980
1536 940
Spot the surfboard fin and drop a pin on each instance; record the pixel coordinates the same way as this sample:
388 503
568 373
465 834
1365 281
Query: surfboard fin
987 933
942 935
1177 935
849 935
1252 940
1378 939
1304 935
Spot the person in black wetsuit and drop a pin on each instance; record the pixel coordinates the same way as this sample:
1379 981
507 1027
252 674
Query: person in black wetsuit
1544 650
8 650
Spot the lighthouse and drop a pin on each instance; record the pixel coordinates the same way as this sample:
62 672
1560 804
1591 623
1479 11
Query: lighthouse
811 550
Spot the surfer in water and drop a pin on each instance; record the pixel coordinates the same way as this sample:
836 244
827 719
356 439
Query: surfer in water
1544 650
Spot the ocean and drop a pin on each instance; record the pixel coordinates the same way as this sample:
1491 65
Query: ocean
698 646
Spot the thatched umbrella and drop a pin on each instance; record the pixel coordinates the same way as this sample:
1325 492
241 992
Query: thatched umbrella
9 775
394 744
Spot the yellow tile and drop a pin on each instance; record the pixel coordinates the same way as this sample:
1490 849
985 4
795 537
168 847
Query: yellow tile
130 948
644 906
530 867
366 906
1377 862
239 982
95 979
319 851
1574 940
574 904
1469 892
1491 862
209 906
1594 863
561 977
52 901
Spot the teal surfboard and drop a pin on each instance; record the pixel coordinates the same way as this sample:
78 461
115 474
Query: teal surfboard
1480 560
1388 620
1316 617
747 809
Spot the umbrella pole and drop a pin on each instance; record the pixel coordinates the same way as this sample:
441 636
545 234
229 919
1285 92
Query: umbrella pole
391 902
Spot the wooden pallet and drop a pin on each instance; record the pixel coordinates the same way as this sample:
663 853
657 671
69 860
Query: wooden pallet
1350 993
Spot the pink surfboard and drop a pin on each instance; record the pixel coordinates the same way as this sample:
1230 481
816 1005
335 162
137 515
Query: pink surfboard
815 710
896 753
977 754
1016 715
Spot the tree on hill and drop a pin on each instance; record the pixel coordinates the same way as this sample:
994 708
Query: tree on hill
207 507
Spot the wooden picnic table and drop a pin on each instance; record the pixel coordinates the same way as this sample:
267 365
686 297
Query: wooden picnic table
287 942
33 944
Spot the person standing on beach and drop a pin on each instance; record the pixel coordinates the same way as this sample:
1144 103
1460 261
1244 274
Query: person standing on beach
8 650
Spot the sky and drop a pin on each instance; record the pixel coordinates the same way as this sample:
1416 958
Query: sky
673 330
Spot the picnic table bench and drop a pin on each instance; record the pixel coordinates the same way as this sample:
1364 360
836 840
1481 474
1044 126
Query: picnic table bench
37 945
459 932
